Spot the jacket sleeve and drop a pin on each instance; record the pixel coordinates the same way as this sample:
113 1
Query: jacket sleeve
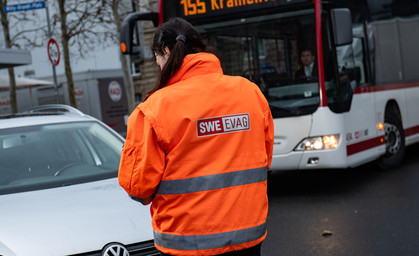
142 159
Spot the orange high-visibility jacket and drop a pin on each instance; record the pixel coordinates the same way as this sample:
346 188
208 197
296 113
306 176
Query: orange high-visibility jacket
200 148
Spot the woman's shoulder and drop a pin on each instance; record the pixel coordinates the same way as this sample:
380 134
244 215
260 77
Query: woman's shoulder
242 81
156 102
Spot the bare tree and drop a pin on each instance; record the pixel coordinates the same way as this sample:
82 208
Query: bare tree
8 41
65 37
17 40
80 23
94 19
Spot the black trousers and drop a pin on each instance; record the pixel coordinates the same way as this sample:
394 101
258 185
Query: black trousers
252 251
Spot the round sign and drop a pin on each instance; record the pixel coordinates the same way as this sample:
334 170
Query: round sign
53 52
115 91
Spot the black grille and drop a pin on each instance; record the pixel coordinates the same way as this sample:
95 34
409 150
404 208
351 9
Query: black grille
142 249
138 249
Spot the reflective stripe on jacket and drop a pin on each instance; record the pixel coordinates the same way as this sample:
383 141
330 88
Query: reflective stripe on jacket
199 149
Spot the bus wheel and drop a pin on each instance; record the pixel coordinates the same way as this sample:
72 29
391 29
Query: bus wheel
395 144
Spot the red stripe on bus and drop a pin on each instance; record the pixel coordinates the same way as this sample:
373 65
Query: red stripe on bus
160 11
411 131
364 145
387 87
375 142
318 15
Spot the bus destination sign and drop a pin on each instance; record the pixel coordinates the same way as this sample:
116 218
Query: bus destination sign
200 9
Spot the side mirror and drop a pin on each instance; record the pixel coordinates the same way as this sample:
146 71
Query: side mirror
342 26
127 30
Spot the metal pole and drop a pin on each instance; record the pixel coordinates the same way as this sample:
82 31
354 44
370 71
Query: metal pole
53 66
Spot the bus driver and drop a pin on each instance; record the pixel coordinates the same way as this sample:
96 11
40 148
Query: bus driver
308 72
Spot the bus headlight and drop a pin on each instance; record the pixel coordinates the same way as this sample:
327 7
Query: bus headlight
319 143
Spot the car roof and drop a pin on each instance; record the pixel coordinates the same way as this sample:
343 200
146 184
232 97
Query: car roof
46 114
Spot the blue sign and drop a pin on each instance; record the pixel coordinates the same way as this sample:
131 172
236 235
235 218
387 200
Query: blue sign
24 7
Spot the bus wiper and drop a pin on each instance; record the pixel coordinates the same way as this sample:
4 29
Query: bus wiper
296 112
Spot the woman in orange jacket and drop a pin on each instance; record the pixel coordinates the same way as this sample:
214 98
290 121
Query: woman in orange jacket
198 149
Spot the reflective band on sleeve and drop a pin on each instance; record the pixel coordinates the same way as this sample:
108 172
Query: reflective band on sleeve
216 181
212 241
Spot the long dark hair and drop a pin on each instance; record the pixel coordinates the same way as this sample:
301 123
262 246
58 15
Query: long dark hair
182 39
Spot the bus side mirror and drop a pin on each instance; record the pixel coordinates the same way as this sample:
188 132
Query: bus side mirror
127 30
342 26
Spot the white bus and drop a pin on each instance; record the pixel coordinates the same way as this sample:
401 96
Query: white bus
362 102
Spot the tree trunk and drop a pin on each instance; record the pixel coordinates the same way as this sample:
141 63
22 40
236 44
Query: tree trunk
66 53
13 98
12 80
129 88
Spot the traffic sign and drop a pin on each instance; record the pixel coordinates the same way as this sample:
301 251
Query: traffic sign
24 7
53 52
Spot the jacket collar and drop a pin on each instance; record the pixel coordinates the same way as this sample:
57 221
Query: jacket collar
197 64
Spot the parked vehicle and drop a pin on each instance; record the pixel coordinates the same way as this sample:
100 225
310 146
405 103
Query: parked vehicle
59 193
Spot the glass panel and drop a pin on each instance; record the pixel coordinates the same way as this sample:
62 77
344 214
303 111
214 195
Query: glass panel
345 67
56 155
387 9
266 50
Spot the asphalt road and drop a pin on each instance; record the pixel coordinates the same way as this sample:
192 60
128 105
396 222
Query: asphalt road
361 211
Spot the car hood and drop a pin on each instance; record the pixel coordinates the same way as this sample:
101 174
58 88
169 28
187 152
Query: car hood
73 219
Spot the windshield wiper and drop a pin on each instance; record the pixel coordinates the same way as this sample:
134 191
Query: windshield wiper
296 112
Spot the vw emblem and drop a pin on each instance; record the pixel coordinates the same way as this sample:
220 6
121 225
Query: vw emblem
115 249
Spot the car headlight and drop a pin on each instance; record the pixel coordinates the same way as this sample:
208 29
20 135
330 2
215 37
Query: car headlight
319 143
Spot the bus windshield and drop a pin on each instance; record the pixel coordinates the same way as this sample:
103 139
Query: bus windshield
268 50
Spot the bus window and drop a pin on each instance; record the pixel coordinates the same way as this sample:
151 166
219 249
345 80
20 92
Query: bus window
266 51
351 62
345 67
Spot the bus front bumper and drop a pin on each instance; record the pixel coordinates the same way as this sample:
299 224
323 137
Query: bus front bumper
306 160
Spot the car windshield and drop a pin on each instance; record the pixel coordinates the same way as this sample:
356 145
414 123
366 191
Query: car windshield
268 50
53 155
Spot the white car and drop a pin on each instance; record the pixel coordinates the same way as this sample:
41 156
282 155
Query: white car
59 193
